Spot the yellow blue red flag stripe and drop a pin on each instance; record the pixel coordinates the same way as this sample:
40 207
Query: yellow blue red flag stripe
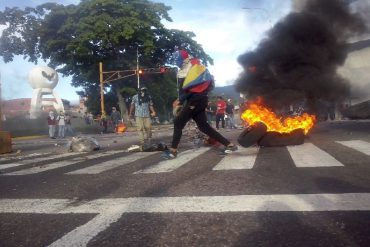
197 75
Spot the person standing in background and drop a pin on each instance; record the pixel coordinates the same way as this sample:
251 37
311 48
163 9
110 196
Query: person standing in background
61 125
115 117
104 123
209 112
142 108
230 113
51 123
68 124
220 112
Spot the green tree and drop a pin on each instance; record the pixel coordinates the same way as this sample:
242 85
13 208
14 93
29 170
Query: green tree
75 38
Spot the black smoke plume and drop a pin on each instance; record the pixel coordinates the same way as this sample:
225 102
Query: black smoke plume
299 58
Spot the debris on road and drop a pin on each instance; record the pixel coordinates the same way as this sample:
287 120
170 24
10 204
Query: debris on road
147 147
83 144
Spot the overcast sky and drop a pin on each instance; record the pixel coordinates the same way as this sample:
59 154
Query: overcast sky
225 29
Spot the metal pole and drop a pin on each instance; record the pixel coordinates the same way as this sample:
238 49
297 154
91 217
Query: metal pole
137 67
101 88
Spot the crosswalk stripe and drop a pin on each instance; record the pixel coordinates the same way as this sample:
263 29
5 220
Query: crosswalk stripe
5 166
308 155
30 161
81 235
18 157
110 210
361 146
111 164
171 165
202 204
59 164
243 158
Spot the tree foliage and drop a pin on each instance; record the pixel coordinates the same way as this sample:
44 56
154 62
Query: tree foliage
75 38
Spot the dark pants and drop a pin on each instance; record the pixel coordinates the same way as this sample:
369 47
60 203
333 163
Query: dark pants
218 118
195 110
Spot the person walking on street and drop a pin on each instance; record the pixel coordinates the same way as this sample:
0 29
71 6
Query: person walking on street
142 109
230 113
195 82
220 112
61 125
52 124
115 117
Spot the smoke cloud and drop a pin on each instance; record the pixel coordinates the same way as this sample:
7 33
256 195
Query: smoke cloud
299 58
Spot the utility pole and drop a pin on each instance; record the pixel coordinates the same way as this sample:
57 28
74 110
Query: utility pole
137 67
101 88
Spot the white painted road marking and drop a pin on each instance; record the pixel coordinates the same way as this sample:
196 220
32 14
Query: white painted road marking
200 204
30 161
111 164
171 165
18 157
243 158
110 210
59 164
361 146
81 235
308 155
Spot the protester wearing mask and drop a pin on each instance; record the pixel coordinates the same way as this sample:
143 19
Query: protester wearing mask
115 118
142 108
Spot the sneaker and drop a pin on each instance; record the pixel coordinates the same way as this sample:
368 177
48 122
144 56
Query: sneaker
229 149
168 154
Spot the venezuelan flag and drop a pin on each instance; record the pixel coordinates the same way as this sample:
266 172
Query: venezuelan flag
197 79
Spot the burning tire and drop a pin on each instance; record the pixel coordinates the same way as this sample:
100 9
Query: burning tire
276 139
252 134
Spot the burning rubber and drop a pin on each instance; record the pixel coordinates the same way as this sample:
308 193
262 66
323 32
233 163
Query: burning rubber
258 134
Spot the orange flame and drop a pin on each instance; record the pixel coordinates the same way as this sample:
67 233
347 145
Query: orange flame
121 127
258 113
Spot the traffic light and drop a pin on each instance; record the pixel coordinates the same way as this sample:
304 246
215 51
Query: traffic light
140 71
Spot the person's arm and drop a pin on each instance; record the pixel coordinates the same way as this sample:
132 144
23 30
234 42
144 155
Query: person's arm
152 110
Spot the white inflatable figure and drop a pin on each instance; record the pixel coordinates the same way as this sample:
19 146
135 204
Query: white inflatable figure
43 80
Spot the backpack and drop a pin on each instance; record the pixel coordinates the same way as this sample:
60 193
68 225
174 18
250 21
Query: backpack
198 80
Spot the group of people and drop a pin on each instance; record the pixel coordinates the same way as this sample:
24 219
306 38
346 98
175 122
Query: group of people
192 104
223 111
59 125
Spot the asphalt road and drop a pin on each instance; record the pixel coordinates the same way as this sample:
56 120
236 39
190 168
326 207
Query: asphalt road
316 194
